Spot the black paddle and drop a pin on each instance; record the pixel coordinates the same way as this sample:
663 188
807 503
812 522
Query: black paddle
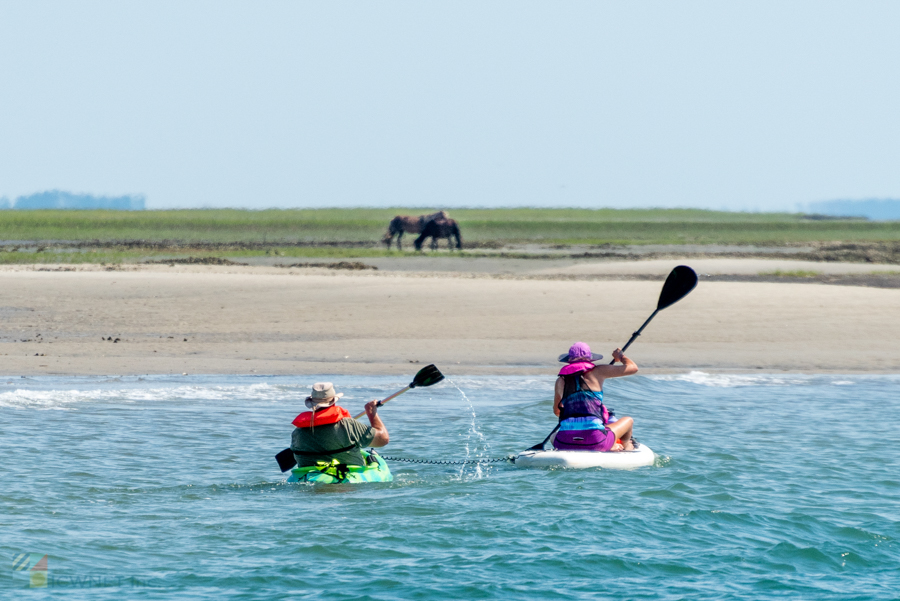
680 282
427 376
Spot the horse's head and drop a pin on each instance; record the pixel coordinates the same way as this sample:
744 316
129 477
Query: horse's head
454 230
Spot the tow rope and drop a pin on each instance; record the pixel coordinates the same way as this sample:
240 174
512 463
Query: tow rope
508 458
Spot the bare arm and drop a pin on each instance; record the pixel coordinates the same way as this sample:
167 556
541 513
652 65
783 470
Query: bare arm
557 395
381 434
627 367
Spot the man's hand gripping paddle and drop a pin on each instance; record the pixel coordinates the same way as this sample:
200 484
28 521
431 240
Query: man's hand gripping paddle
680 282
427 376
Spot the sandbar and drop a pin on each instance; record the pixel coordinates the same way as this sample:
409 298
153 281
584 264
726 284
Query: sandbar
90 320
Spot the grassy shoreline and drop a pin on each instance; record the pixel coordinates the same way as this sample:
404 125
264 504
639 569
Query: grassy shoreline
549 226
134 236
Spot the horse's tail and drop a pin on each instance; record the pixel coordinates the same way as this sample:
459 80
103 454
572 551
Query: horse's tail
389 234
397 225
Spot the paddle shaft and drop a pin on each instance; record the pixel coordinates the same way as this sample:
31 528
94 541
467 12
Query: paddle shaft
382 402
636 334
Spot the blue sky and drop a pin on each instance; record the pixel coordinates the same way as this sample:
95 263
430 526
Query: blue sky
739 105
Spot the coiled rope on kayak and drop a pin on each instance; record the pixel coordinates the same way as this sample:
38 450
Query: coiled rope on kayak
450 461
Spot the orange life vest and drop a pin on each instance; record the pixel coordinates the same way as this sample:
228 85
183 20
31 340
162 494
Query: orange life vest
332 415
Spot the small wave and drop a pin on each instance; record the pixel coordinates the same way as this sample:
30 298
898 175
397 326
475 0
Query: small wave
739 380
67 400
729 380
498 384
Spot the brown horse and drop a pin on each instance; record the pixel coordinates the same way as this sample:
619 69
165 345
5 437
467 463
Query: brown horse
439 228
413 225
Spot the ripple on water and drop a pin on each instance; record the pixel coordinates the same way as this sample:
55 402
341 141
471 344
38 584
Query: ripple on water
173 481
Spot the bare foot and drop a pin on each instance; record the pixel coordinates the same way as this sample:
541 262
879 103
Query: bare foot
617 447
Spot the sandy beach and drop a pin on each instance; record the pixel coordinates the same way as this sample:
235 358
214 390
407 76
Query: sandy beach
501 320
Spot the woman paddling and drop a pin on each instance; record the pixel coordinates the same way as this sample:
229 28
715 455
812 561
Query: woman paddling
584 422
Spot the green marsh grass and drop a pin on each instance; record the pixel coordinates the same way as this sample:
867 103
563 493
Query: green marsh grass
548 226
134 236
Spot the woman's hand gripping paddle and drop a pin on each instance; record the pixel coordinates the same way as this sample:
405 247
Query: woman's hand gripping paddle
680 282
427 376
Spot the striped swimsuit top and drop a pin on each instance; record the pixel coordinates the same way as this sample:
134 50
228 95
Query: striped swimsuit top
580 407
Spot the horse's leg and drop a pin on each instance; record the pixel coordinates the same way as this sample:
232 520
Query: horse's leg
455 232
400 235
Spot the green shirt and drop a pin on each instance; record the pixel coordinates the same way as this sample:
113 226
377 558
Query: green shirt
329 437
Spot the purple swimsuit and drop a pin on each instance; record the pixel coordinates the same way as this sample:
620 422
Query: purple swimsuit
582 416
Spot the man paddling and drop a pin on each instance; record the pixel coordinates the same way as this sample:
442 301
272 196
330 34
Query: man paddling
584 422
327 432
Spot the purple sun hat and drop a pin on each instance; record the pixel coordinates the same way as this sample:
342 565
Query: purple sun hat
579 351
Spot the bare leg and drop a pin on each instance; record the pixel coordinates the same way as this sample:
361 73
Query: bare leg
622 429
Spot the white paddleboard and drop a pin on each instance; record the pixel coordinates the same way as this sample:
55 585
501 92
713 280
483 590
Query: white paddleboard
614 460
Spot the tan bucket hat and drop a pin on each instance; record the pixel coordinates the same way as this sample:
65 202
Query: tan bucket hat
323 395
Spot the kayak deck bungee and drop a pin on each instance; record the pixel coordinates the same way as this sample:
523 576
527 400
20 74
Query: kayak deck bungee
643 456
334 472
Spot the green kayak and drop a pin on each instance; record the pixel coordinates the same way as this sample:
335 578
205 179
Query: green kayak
333 472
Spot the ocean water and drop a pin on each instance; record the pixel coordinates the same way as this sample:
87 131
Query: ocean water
166 488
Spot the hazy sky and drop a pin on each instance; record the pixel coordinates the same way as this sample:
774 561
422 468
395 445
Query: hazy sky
741 105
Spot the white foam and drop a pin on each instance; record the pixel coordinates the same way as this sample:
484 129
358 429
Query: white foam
737 380
732 380
69 399
506 383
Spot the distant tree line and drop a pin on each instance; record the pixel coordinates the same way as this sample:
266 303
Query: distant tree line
878 209
58 199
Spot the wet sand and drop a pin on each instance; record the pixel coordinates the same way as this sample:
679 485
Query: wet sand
498 320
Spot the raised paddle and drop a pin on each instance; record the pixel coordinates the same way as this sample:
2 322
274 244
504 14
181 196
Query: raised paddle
680 282
427 376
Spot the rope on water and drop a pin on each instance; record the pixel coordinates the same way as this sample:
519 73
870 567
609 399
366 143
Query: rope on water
450 462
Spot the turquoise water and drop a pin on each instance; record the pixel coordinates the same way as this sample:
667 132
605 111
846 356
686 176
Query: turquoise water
767 487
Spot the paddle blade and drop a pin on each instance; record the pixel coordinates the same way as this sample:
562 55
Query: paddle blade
680 282
427 376
286 460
